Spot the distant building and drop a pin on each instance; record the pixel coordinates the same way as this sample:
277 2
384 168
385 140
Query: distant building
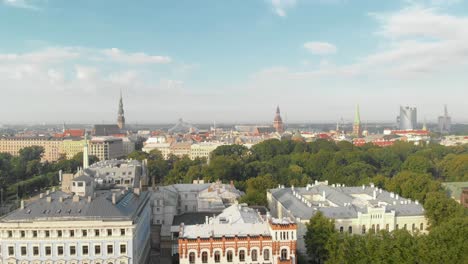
278 121
445 122
118 173
203 149
106 130
454 140
106 148
239 235
52 146
356 210
72 146
407 120
357 129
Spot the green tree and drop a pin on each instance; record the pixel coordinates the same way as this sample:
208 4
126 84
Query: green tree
257 188
419 164
319 230
439 208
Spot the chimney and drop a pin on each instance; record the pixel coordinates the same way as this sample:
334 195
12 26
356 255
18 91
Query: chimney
232 183
363 187
41 195
47 192
374 194
60 199
89 199
324 197
76 198
397 196
416 202
136 191
22 204
206 219
53 189
113 198
60 175
49 199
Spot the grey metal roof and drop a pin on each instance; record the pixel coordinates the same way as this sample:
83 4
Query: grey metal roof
60 206
342 202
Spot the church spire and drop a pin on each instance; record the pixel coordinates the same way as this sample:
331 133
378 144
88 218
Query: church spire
278 122
121 117
357 129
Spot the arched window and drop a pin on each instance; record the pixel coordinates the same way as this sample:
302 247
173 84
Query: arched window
378 227
284 254
373 228
229 256
363 229
404 227
254 255
266 254
396 226
292 235
350 229
413 227
204 257
341 229
191 257
387 227
421 227
242 255
217 257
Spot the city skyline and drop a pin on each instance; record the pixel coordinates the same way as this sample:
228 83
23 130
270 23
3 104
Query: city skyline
207 61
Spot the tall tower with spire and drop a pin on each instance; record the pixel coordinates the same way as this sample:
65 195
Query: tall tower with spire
121 117
357 129
85 152
278 122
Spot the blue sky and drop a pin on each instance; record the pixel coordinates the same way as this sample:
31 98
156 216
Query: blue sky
231 60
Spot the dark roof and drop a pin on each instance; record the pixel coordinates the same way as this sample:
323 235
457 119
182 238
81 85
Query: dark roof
261 209
106 130
266 130
195 218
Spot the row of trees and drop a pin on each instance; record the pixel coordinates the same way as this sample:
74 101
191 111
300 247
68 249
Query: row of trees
26 174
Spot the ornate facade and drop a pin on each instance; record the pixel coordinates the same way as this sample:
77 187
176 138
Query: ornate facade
239 235
278 121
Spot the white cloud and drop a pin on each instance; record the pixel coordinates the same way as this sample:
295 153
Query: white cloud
27 4
320 48
280 6
85 73
135 58
48 55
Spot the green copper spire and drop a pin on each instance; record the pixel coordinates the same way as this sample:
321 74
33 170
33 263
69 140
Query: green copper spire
357 116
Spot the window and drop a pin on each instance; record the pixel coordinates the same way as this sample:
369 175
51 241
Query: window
72 250
387 227
192 258
72 233
186 207
48 250
85 250
254 255
34 233
110 249
292 235
413 227
373 228
404 227
217 257
60 250
266 254
109 232
36 251
22 233
11 251
96 232
421 227
10 233
59 233
123 249
396 226
47 233
23 251
204 257
97 249
242 255
122 232
378 227
84 233
284 254
350 229
229 256
341 229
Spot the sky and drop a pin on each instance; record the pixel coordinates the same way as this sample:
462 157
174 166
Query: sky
231 60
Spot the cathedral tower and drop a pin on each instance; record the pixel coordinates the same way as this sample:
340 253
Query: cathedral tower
278 122
357 129
121 117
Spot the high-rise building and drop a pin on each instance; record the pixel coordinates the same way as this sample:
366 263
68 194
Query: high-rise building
121 117
278 122
407 120
357 129
445 122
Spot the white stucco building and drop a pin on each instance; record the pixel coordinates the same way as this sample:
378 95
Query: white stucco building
356 210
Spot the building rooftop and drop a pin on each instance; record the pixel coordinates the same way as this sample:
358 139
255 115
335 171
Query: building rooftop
338 201
61 206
